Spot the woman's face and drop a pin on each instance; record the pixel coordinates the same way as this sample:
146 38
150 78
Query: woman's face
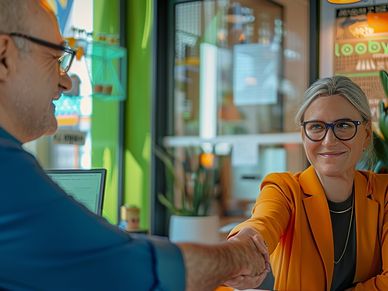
332 156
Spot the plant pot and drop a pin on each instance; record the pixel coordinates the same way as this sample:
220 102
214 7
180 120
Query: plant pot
199 229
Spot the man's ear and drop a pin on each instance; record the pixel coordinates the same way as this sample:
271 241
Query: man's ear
5 48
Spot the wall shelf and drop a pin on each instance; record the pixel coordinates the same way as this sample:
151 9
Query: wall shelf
104 62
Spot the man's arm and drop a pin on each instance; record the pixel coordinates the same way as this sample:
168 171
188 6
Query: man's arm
208 266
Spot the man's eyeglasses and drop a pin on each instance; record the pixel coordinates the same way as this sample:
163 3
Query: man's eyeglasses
343 129
64 61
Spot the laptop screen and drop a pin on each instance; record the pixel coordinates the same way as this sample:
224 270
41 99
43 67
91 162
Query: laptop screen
85 186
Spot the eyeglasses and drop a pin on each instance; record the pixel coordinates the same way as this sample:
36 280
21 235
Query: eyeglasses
343 129
64 61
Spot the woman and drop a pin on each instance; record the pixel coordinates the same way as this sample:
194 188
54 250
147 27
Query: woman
325 228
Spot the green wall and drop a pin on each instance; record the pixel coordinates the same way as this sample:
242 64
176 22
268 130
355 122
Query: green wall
105 116
138 107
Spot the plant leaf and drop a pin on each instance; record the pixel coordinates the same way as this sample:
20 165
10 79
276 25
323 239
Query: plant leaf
198 190
383 120
167 203
384 81
381 150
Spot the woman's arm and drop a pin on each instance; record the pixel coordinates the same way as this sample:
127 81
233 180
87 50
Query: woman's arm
269 220
272 211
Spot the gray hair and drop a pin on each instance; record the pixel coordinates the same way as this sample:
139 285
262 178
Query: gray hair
341 85
13 16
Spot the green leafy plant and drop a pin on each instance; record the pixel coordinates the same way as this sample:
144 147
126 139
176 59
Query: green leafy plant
380 137
190 185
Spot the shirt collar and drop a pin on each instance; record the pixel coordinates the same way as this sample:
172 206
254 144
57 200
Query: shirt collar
7 136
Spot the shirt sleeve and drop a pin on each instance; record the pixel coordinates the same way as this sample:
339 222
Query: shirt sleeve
169 264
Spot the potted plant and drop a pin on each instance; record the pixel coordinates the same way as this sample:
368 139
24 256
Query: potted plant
190 191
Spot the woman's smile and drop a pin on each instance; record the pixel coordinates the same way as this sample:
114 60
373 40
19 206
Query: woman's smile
332 154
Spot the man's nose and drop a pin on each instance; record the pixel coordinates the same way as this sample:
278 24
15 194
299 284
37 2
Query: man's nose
65 82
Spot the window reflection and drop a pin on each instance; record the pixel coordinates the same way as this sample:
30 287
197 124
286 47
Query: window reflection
240 70
245 67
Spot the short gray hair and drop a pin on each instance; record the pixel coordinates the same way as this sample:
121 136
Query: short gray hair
341 85
337 85
13 15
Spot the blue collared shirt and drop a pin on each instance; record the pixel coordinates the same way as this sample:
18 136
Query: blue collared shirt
48 241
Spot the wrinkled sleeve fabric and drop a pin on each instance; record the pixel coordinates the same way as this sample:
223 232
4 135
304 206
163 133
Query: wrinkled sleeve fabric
50 242
272 210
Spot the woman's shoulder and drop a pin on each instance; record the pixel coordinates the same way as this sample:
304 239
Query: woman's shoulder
372 177
282 180
377 183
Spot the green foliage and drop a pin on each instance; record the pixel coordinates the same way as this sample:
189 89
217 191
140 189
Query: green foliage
192 182
383 120
381 139
384 81
381 150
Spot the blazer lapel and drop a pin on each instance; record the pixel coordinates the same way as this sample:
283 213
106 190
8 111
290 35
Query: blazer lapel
317 211
366 224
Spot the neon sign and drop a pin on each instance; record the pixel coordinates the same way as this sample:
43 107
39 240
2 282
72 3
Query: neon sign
360 48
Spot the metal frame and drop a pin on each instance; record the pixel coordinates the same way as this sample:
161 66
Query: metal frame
122 106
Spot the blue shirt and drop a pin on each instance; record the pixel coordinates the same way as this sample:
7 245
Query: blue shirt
50 242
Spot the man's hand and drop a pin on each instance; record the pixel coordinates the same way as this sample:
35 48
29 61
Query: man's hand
208 266
245 279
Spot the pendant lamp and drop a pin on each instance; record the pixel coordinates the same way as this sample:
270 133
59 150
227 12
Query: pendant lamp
343 1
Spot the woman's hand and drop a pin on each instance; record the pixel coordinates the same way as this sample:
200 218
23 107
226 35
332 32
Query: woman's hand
245 281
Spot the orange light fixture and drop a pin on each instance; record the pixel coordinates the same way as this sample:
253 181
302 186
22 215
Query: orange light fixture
207 160
343 1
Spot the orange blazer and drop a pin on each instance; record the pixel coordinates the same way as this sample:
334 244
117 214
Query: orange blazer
292 214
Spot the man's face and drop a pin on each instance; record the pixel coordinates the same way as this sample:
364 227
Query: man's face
36 80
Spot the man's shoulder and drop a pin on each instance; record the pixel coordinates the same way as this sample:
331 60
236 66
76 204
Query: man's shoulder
14 159
23 180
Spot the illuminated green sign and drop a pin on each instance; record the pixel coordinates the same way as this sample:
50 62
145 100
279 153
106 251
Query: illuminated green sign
360 48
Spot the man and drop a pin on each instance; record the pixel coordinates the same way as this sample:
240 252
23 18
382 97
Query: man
47 240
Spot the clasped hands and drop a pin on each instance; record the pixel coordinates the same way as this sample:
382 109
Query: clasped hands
255 260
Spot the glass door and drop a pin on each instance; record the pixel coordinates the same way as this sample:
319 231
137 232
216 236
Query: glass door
239 70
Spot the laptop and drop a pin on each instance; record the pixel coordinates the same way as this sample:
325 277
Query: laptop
85 186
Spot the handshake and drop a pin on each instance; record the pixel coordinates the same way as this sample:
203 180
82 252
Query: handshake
241 262
257 263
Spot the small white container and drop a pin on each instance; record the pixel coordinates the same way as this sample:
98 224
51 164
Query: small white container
198 229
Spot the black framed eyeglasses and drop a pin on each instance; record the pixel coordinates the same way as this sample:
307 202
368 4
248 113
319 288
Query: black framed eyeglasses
64 61
343 129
